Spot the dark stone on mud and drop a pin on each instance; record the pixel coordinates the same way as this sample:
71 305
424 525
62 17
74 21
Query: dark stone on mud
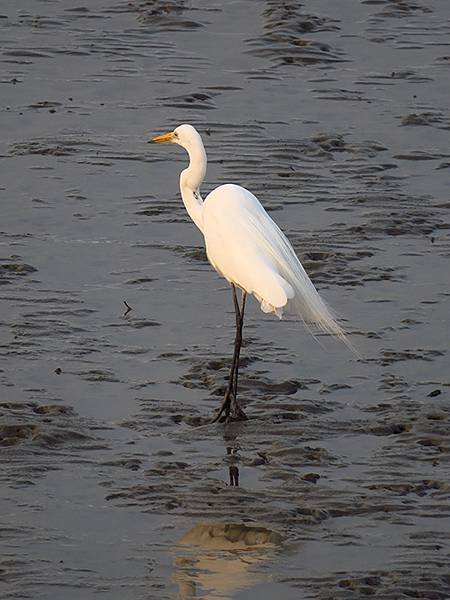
177 418
311 477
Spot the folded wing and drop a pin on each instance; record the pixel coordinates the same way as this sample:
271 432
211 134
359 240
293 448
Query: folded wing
247 247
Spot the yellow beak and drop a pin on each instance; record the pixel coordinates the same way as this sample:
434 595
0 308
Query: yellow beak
161 139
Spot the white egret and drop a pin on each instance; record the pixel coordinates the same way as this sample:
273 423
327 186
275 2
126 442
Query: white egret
249 250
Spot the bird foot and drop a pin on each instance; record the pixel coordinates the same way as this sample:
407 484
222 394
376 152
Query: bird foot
233 418
237 414
230 411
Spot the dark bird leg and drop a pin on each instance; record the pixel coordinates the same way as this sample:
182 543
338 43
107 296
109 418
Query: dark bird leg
234 475
230 408
237 411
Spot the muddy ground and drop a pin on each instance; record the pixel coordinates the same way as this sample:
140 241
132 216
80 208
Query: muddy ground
336 114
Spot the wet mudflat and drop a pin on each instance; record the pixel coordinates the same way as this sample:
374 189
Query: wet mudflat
336 115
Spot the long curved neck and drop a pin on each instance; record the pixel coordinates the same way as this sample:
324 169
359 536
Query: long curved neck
190 181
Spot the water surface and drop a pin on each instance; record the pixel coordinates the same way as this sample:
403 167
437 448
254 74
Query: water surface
336 116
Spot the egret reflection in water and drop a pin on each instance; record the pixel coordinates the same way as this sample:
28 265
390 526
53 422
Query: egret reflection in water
217 560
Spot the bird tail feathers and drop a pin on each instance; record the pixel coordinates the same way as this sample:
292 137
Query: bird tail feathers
306 303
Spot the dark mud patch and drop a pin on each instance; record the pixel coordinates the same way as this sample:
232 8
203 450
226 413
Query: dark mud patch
37 439
389 584
212 376
192 254
393 78
169 211
98 375
420 155
300 456
168 15
389 357
11 268
286 37
194 100
11 435
426 119
42 425
344 268
390 8
66 146
386 25
140 280
134 322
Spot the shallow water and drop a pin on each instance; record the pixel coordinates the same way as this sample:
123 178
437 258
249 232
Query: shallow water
336 115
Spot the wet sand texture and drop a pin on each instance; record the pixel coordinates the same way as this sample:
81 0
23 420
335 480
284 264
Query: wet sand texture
336 114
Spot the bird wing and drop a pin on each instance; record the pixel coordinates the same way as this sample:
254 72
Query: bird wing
247 247
236 253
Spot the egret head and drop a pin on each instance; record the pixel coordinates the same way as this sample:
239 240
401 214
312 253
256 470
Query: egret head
184 135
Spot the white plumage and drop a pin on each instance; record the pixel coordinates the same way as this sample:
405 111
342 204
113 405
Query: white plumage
245 245
247 248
